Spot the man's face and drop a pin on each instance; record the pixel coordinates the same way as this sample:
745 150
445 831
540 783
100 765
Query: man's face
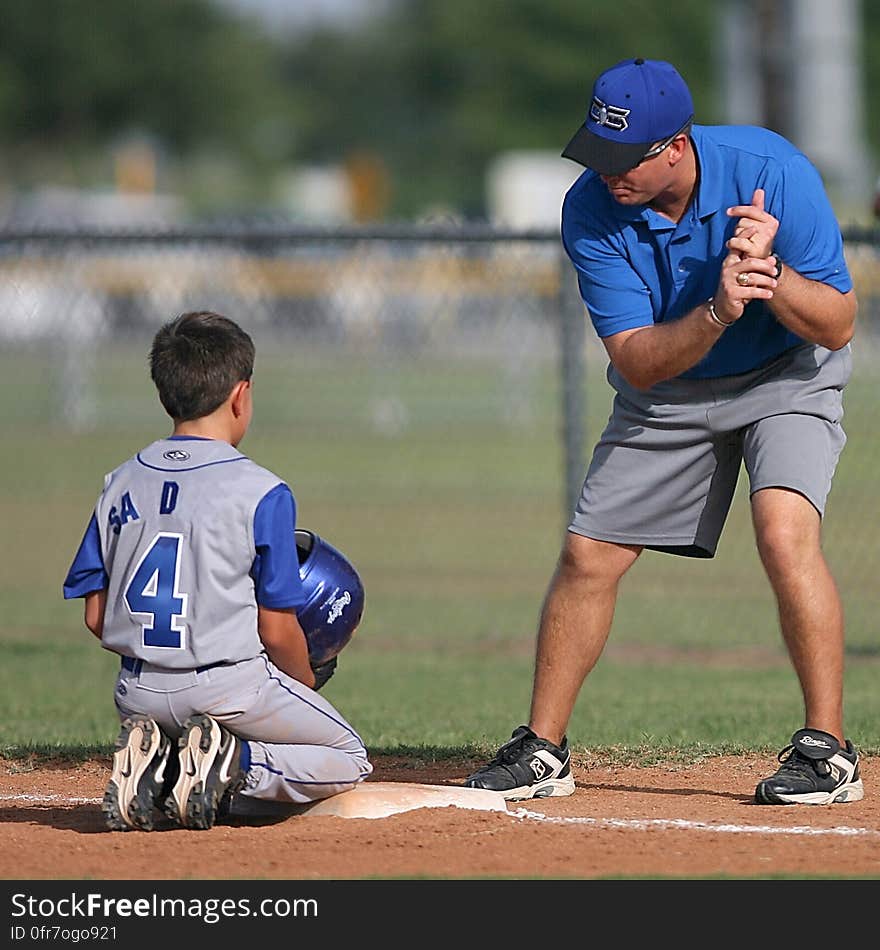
650 178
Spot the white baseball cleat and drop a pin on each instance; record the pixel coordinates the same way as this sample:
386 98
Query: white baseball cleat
210 768
136 782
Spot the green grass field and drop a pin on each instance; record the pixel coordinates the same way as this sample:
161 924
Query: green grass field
451 505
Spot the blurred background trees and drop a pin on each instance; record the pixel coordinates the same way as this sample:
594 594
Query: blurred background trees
413 99
439 88
80 80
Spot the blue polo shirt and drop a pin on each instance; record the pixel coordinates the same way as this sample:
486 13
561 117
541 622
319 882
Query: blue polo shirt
636 268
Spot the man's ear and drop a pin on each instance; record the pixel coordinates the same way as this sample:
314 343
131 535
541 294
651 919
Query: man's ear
678 149
237 396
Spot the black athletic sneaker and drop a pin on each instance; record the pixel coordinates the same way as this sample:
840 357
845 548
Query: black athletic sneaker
814 770
527 767
210 769
138 777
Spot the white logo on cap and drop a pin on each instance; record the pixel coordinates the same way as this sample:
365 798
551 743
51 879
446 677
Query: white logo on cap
612 117
337 606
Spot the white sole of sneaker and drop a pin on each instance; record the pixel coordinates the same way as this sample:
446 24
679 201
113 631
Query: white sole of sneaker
196 758
551 788
136 747
854 792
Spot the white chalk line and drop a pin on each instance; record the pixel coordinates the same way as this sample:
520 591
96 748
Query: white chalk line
682 824
628 824
50 800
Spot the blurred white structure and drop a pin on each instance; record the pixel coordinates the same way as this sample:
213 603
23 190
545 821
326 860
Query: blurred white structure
62 207
796 66
318 194
524 189
828 113
293 16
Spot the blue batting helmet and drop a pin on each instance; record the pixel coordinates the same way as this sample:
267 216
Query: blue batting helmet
334 597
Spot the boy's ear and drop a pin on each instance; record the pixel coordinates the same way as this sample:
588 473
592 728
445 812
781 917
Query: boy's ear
236 397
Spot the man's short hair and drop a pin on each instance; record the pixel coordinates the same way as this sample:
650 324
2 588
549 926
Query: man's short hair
196 360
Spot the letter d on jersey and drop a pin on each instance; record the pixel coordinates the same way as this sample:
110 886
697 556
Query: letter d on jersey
168 502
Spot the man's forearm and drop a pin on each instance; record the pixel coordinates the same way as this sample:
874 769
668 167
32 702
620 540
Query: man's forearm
814 311
652 354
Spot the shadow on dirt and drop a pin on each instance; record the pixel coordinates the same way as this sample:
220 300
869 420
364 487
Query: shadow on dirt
89 819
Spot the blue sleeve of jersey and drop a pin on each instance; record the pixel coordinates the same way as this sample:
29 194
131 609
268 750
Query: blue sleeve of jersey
275 570
614 294
87 572
809 238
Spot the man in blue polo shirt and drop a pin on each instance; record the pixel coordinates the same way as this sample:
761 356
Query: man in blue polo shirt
712 267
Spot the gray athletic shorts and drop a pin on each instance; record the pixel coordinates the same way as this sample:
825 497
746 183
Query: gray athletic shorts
664 471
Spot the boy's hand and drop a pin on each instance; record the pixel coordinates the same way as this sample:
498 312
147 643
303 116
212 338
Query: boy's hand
324 672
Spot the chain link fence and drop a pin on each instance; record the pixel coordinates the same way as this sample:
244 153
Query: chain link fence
393 296
431 392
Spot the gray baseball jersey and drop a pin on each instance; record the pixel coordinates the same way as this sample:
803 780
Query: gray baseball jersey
177 537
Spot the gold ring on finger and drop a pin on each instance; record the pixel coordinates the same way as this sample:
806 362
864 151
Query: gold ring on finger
742 279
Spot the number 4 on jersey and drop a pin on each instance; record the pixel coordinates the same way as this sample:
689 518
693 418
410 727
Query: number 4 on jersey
153 592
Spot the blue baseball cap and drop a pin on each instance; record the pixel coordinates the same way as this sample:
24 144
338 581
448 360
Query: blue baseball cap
636 104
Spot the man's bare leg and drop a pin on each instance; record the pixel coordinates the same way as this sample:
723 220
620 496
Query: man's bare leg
787 530
575 621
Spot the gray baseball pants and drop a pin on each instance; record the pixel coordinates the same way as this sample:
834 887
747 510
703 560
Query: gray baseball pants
664 471
301 748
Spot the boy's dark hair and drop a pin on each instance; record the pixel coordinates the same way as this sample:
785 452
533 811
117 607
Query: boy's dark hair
196 360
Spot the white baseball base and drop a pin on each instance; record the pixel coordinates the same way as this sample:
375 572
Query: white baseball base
378 800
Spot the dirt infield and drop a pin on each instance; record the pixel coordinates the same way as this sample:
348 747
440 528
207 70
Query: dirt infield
680 822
